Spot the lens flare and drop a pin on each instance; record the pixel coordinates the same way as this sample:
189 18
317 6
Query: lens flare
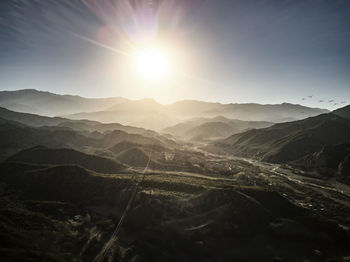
152 63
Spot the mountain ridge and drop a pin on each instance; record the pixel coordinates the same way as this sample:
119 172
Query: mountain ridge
146 113
286 142
48 104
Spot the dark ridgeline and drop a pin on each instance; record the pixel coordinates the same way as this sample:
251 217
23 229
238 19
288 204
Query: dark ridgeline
343 112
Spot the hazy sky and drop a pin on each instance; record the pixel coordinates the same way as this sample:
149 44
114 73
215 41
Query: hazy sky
266 51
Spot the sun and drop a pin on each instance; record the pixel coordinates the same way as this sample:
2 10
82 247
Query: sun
152 63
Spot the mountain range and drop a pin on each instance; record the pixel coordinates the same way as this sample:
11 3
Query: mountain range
20 131
191 189
48 140
49 104
146 113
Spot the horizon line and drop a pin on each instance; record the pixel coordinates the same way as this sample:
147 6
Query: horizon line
177 101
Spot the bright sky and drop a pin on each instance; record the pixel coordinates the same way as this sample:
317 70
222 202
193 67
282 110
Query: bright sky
264 51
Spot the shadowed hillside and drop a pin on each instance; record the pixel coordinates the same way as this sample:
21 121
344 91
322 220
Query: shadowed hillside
289 141
332 160
343 112
50 156
15 136
134 157
182 218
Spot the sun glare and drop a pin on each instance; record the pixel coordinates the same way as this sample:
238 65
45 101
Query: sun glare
152 63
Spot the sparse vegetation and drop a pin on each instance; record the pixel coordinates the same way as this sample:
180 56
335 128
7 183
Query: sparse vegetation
61 201
174 218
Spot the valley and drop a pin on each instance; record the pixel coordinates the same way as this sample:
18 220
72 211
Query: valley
279 178
251 205
82 190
